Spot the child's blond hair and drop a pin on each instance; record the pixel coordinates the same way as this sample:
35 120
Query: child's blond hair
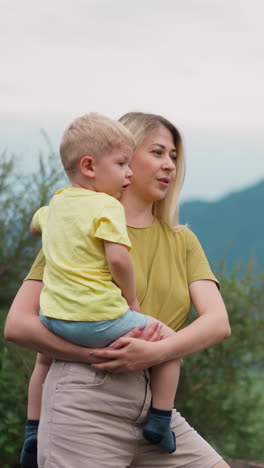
92 135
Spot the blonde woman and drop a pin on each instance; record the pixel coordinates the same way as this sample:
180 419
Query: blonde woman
95 402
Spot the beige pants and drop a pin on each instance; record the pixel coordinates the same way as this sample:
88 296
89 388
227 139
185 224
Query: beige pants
92 419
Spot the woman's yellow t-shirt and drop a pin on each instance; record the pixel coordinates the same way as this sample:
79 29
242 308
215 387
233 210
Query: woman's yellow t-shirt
165 263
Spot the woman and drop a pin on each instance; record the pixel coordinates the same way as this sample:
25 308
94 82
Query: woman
91 417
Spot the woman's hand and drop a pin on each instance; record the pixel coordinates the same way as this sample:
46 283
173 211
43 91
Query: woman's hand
129 355
123 354
150 333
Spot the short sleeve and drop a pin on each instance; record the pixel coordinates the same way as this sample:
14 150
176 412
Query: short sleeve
37 269
198 267
39 218
110 225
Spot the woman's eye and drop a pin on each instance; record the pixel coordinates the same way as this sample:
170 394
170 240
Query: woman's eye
157 152
121 163
174 158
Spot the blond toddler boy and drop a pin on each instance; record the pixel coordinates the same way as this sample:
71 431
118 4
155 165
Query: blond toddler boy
89 294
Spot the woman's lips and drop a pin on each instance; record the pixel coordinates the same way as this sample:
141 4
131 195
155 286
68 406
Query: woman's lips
164 181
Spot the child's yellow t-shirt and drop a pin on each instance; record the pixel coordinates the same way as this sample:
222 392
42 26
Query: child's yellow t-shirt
78 284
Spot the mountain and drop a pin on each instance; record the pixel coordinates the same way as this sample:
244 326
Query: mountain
231 228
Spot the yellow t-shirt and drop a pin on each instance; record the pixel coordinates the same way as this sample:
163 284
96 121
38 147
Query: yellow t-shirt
78 284
165 263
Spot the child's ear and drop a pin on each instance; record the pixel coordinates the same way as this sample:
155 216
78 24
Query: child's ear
87 166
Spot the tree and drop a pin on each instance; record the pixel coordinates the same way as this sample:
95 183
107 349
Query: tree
220 390
15 369
20 196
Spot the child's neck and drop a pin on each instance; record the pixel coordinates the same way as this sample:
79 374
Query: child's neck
83 186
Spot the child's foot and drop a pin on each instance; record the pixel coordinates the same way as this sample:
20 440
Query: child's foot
28 457
158 430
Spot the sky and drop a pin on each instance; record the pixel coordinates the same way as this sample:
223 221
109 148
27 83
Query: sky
199 63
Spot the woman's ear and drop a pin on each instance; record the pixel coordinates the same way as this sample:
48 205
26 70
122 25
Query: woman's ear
87 166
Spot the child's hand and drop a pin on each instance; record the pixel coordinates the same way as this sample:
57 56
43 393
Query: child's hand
134 305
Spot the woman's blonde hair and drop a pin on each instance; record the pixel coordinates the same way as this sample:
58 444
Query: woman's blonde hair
141 125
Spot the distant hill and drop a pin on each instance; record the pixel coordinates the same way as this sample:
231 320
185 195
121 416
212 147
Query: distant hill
231 228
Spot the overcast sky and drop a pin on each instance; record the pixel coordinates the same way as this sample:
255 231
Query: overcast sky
199 63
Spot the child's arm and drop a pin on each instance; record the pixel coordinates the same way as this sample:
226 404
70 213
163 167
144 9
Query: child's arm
33 231
36 224
120 265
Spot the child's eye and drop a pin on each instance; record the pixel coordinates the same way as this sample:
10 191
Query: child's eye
121 163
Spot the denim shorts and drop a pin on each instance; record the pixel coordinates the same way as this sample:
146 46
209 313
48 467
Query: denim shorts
95 334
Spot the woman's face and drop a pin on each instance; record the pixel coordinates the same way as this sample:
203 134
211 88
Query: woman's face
153 165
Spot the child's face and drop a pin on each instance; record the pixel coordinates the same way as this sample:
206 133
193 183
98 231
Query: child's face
112 171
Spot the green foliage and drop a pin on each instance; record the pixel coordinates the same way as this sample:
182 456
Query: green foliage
15 369
220 390
20 196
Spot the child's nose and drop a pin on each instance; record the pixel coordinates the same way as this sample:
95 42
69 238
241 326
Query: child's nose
129 172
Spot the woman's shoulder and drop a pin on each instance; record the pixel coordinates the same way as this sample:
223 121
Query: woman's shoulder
183 239
181 233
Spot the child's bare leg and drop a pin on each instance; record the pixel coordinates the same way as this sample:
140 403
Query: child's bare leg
164 379
164 382
35 385
28 456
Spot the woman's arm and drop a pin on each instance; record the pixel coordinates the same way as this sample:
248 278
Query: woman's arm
209 328
24 327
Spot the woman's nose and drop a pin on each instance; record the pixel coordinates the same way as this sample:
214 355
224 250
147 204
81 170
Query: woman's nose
168 164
